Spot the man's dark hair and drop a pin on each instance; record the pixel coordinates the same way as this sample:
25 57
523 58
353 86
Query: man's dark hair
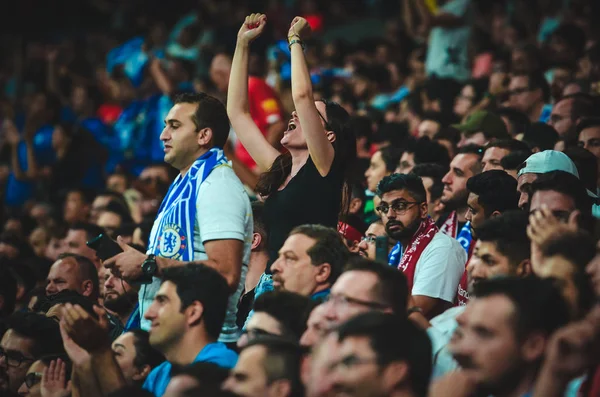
43 331
539 305
518 120
409 182
210 113
119 209
584 105
495 190
394 338
115 196
540 135
328 248
586 164
509 233
357 191
282 361
513 160
145 354
428 151
434 171
210 376
391 288
87 271
512 145
587 122
567 184
87 195
8 291
289 309
91 230
198 282
391 157
537 81
260 226
579 248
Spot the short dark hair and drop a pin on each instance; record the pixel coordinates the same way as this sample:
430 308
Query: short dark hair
539 305
513 160
8 291
391 287
541 135
291 310
518 120
210 113
328 248
198 282
495 190
537 81
428 151
567 184
409 182
87 195
260 226
87 271
282 361
584 105
209 375
391 157
508 232
393 339
579 248
434 171
145 354
512 145
91 230
587 122
586 164
43 331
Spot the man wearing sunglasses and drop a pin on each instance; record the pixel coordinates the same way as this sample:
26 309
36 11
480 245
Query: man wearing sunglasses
432 262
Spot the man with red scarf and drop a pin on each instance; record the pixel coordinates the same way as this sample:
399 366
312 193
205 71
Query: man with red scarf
432 262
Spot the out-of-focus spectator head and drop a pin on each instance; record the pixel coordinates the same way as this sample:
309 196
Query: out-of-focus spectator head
522 314
587 167
589 135
567 43
77 237
540 137
403 205
198 378
114 219
8 292
77 205
366 285
568 112
512 162
515 120
62 137
383 163
73 272
39 239
430 125
480 128
190 304
448 137
118 182
12 246
135 356
102 200
490 194
29 337
497 150
525 58
470 95
42 213
366 247
316 327
463 166
528 93
431 175
278 313
562 75
423 151
220 69
310 260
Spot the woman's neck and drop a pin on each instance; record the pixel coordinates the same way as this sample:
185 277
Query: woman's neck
299 158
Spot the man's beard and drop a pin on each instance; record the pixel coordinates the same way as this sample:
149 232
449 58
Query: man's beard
404 232
458 201
503 384
122 304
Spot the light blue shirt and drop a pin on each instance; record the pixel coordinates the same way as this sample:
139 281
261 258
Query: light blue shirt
215 353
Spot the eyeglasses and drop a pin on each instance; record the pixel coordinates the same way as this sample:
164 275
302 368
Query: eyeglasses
343 300
14 359
253 333
399 206
369 239
518 91
352 361
32 379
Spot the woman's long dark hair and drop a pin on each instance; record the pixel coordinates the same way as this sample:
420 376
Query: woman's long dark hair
338 121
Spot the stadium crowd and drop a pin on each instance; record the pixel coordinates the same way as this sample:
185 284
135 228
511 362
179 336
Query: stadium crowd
302 199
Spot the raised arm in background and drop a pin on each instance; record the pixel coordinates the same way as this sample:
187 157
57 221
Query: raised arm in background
320 149
237 96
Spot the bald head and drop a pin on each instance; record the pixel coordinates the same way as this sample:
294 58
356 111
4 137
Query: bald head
73 272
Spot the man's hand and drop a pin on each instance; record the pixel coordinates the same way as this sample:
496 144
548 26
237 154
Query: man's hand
299 27
84 329
54 380
252 27
128 264
78 356
543 225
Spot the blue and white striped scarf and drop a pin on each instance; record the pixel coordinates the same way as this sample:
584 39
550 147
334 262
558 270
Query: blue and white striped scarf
172 234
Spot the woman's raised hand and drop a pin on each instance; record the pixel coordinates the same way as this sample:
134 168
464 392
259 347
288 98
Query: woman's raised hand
299 27
252 27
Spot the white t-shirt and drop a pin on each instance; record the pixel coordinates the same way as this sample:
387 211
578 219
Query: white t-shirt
223 212
440 268
447 54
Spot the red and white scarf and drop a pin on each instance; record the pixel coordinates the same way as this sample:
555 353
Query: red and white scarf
450 226
416 246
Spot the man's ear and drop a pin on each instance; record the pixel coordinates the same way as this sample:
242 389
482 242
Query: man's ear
330 136
142 374
524 268
256 240
495 214
423 210
194 313
323 273
205 136
87 287
534 347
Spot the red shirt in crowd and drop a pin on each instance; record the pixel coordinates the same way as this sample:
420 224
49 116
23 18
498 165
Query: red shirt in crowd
264 109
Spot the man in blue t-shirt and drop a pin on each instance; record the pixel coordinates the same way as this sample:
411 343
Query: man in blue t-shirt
186 317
